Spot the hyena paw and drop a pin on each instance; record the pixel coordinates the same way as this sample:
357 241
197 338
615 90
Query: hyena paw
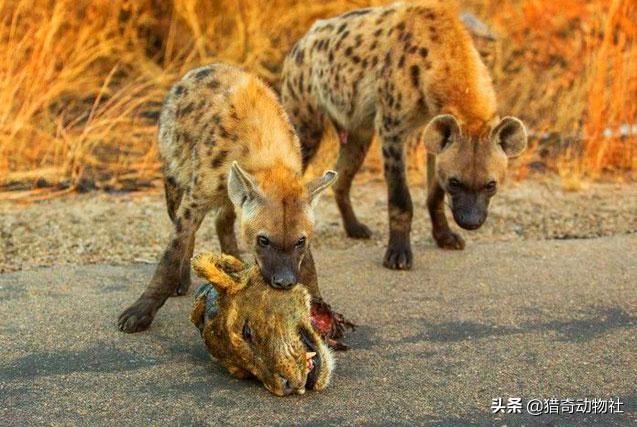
182 289
449 240
135 318
398 257
358 230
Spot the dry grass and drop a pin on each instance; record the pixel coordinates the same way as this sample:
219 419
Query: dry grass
81 82
571 67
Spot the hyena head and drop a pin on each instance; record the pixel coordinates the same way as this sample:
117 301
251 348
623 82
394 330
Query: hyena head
276 218
471 168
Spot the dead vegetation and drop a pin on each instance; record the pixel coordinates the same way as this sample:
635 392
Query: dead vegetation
81 82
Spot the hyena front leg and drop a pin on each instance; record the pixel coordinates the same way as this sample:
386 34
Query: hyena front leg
310 136
224 224
350 158
331 324
398 255
442 234
173 272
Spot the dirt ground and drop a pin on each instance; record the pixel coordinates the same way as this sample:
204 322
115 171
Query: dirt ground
121 229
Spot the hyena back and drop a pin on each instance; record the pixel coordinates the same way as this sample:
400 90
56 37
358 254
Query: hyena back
393 70
215 119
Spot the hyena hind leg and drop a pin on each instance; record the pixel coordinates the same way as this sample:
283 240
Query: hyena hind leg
350 158
309 129
174 194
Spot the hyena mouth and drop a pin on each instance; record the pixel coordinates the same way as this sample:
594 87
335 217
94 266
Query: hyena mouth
313 359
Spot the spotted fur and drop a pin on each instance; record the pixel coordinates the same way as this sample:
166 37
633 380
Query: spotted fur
391 70
227 145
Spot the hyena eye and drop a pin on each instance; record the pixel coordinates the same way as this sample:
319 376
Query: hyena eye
454 184
263 241
301 243
491 186
246 332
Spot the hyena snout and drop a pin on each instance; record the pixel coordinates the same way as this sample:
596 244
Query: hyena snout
284 278
279 270
470 219
470 210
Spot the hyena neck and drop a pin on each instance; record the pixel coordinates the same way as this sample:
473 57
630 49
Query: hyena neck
468 91
474 122
280 181
273 152
265 129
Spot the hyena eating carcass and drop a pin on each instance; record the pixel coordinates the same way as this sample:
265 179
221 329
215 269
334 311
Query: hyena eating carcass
392 70
227 145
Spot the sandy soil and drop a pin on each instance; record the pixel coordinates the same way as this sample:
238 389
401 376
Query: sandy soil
120 229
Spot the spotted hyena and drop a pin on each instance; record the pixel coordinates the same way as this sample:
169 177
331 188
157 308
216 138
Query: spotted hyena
393 70
227 145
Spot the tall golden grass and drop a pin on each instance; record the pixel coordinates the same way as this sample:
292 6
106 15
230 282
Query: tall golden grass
81 81
570 67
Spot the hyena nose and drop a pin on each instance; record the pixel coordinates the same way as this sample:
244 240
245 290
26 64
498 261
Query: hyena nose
470 220
283 280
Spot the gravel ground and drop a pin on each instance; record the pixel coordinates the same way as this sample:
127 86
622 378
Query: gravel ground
133 227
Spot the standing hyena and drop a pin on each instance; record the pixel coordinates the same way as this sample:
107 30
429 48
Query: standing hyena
391 70
214 119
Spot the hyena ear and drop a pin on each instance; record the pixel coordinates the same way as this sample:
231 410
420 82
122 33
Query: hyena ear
241 186
511 135
441 132
316 186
